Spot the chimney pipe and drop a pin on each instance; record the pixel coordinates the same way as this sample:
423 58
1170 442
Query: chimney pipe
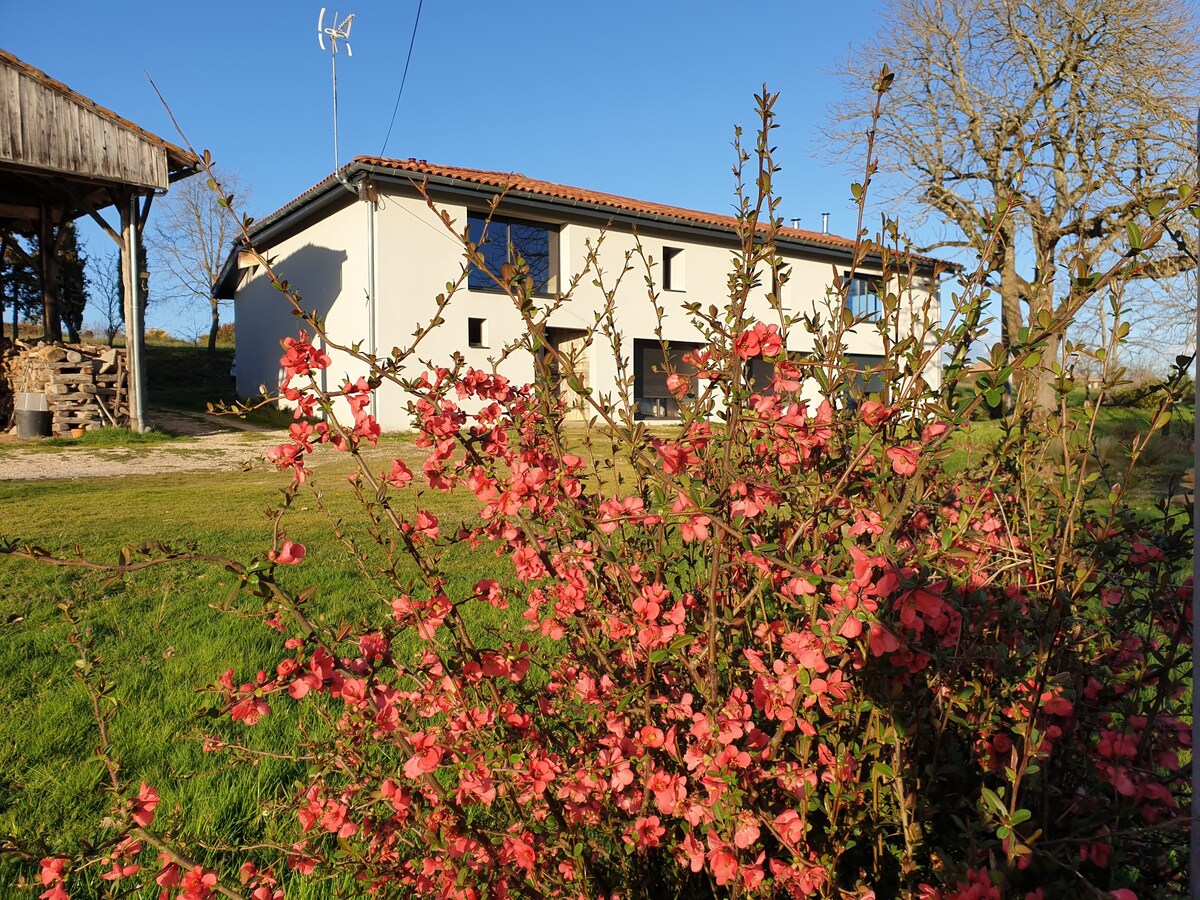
825 223
795 221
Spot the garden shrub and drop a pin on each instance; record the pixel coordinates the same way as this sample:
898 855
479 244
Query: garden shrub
774 650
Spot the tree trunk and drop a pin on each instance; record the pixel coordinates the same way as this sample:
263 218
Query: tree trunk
212 331
1011 319
4 282
1047 396
51 323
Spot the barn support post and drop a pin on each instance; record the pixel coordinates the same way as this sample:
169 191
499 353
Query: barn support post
48 270
132 299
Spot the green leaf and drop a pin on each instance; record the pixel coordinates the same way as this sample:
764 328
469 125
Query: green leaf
883 770
994 801
1135 235
1021 815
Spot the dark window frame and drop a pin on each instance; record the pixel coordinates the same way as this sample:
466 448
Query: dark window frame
867 304
480 280
674 273
659 395
479 340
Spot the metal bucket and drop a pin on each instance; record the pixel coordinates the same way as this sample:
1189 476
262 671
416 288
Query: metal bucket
32 423
32 415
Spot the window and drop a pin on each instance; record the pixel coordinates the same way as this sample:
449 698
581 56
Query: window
504 240
762 375
865 374
672 269
862 297
477 332
650 368
778 277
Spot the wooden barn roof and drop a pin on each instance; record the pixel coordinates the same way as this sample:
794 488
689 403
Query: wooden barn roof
61 148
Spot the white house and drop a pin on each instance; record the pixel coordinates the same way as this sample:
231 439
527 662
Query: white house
369 255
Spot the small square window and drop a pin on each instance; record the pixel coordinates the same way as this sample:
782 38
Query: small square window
477 332
672 268
779 277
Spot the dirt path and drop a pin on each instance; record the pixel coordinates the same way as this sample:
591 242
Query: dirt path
204 443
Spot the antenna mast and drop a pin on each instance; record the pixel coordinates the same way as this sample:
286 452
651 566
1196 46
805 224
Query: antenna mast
340 31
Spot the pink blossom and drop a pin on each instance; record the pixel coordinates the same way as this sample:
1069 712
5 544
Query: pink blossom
904 459
144 806
290 553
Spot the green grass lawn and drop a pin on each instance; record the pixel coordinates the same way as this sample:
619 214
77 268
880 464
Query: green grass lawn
159 640
1167 456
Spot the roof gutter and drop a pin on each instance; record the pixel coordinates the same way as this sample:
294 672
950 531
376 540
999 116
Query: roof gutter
325 193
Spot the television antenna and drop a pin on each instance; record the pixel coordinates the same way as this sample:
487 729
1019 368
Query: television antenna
340 31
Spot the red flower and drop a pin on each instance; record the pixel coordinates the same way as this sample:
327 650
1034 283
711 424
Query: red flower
904 459
649 832
760 340
289 554
400 475
144 805
874 413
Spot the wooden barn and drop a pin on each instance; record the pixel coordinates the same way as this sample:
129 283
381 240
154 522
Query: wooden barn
63 156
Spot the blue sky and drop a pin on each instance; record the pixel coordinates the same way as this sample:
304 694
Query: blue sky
638 99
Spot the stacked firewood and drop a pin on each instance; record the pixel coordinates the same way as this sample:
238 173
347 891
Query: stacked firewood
85 385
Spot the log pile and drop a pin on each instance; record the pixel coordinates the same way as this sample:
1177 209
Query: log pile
85 385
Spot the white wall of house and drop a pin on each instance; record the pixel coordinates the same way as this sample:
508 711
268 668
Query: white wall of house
415 256
326 263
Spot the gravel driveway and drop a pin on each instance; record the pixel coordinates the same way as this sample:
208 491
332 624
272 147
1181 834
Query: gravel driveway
206 443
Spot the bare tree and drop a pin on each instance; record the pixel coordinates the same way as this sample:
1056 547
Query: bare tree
105 295
1161 319
1072 115
192 236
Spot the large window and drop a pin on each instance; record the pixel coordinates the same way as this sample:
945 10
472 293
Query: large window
862 297
504 240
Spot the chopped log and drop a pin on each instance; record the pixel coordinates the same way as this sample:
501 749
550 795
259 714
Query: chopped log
73 378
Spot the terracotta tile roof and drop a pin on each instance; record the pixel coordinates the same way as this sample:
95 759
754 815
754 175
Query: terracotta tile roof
177 157
516 184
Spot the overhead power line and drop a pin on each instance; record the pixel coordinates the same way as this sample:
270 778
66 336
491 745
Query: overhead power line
403 78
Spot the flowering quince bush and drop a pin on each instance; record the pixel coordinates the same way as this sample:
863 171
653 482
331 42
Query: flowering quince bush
774 650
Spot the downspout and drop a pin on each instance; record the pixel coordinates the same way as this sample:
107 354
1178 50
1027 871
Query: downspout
371 287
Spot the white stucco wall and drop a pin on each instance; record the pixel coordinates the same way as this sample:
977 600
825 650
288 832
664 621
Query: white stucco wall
327 264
